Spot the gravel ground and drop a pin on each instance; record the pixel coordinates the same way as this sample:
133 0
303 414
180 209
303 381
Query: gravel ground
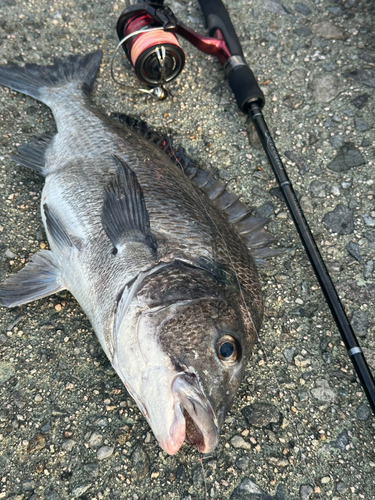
300 426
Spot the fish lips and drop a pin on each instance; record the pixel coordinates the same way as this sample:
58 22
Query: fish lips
193 415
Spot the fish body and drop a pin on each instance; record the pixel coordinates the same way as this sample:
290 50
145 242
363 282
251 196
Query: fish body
167 282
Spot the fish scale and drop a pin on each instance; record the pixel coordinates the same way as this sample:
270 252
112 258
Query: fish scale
142 238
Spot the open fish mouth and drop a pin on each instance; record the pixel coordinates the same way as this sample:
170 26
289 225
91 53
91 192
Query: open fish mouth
200 430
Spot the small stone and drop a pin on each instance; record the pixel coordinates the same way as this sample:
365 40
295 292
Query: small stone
353 250
305 492
293 102
336 141
361 125
7 371
340 220
360 101
323 392
28 485
253 136
328 31
301 362
325 87
104 452
68 445
342 441
243 463
347 157
318 189
369 221
364 76
38 398
274 7
303 31
50 494
3 339
245 489
302 8
38 442
360 323
306 204
239 442
297 77
96 440
303 395
340 487
80 490
261 414
363 412
368 269
265 210
289 354
140 462
45 428
10 254
92 469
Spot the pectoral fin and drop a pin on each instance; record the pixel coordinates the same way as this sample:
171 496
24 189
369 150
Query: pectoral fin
124 216
39 278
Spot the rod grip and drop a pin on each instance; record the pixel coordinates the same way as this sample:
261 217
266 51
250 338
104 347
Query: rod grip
245 87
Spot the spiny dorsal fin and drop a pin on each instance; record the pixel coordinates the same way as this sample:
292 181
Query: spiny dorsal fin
124 215
240 215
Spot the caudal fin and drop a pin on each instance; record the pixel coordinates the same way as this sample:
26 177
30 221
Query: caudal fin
31 79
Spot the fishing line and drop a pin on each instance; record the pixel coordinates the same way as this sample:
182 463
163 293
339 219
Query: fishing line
262 346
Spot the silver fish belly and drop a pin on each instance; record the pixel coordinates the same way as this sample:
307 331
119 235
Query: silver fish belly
159 263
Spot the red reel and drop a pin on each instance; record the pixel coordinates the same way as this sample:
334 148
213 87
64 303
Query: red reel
155 54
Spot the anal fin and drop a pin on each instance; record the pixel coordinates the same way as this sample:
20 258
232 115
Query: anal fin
32 155
39 278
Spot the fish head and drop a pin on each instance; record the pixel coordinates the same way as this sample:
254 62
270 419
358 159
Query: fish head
181 348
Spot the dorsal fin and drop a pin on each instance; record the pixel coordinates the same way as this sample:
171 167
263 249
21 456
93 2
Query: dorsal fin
240 215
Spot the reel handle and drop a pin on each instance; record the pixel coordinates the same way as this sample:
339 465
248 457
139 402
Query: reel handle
240 77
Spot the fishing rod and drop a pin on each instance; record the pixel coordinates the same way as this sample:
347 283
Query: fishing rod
147 33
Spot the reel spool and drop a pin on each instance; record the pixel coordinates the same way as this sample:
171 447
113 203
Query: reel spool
155 54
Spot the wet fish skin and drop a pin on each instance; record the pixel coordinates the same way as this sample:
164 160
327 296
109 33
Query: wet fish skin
158 269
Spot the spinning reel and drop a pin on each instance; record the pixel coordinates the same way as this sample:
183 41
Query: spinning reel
147 33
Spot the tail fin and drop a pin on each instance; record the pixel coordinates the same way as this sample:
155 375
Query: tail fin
31 79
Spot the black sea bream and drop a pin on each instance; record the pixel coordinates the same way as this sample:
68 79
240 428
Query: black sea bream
154 250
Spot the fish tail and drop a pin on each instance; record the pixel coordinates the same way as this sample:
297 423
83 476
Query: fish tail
34 80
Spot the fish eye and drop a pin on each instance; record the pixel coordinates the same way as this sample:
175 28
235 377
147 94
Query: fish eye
228 350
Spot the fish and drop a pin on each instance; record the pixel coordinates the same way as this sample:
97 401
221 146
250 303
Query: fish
159 255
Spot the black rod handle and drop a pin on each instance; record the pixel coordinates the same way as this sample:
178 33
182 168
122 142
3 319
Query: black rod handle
240 77
347 334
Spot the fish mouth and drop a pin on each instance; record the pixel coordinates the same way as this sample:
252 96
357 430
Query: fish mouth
194 417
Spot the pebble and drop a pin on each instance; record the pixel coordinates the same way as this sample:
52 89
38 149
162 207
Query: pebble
247 487
340 487
336 141
323 392
50 494
302 8
293 102
353 250
243 463
369 221
306 204
38 442
3 339
273 7
92 469
28 485
318 189
96 440
10 254
347 157
289 354
265 210
104 452
303 31
361 125
7 371
362 75
80 490
360 101
340 220
360 323
305 492
368 269
328 31
342 441
363 412
297 77
239 442
140 462
68 445
261 414
301 362
325 87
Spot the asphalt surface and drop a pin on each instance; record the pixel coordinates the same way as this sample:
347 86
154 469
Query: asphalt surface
300 426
